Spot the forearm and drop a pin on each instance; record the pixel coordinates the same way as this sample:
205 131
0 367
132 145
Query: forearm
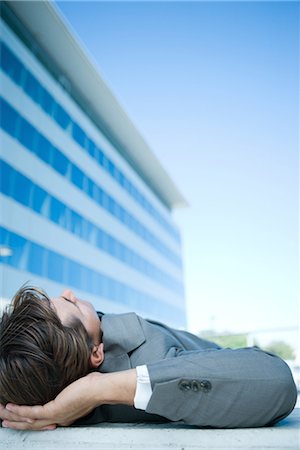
114 388
222 388
76 400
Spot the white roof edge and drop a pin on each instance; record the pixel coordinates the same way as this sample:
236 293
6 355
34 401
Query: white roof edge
54 35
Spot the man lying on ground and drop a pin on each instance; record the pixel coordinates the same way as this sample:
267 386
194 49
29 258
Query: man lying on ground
97 367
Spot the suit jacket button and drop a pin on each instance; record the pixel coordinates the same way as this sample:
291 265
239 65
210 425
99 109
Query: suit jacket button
185 385
205 385
196 385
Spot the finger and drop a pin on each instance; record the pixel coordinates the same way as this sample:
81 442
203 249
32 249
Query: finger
30 412
49 427
36 426
8 415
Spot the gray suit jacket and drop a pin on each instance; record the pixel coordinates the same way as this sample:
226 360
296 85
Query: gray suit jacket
193 380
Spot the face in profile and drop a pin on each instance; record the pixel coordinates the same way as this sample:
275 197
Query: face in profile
68 307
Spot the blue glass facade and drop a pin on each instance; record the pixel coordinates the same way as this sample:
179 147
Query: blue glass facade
22 76
129 249
18 187
43 262
19 128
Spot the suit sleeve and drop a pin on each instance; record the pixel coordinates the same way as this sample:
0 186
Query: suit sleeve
222 388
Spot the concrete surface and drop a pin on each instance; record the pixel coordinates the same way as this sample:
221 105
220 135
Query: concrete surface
285 435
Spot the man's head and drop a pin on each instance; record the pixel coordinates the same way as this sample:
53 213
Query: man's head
46 344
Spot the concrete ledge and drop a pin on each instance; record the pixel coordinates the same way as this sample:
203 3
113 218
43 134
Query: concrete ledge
285 435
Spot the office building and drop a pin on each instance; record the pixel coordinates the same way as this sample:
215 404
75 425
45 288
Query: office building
85 203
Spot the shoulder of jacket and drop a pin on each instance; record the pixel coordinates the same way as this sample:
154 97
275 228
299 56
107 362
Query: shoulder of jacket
122 332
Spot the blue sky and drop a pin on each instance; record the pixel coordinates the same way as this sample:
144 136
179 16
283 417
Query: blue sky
213 88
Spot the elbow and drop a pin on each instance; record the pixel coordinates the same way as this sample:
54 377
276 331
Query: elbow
273 394
284 392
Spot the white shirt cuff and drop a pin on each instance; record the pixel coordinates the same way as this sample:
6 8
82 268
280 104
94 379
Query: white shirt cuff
143 388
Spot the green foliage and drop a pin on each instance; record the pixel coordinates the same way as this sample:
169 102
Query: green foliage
226 339
281 348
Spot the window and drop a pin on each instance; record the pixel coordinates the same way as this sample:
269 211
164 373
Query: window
76 223
117 210
38 198
105 242
4 238
105 162
9 119
98 195
126 295
117 249
111 204
104 286
18 244
126 184
125 217
32 87
122 213
78 134
129 188
111 245
85 183
57 212
28 135
36 260
134 260
117 174
134 192
149 269
105 200
91 281
61 116
76 176
139 197
113 290
22 189
89 187
47 102
122 179
130 222
93 235
87 230
100 239
11 65
141 231
122 252
111 167
149 208
99 155
73 273
7 179
55 266
60 162
90 147
44 149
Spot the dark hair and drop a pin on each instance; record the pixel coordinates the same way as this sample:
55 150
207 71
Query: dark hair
39 356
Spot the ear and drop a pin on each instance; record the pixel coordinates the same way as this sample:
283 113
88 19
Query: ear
97 356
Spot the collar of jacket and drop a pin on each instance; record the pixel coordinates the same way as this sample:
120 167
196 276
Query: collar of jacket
122 334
